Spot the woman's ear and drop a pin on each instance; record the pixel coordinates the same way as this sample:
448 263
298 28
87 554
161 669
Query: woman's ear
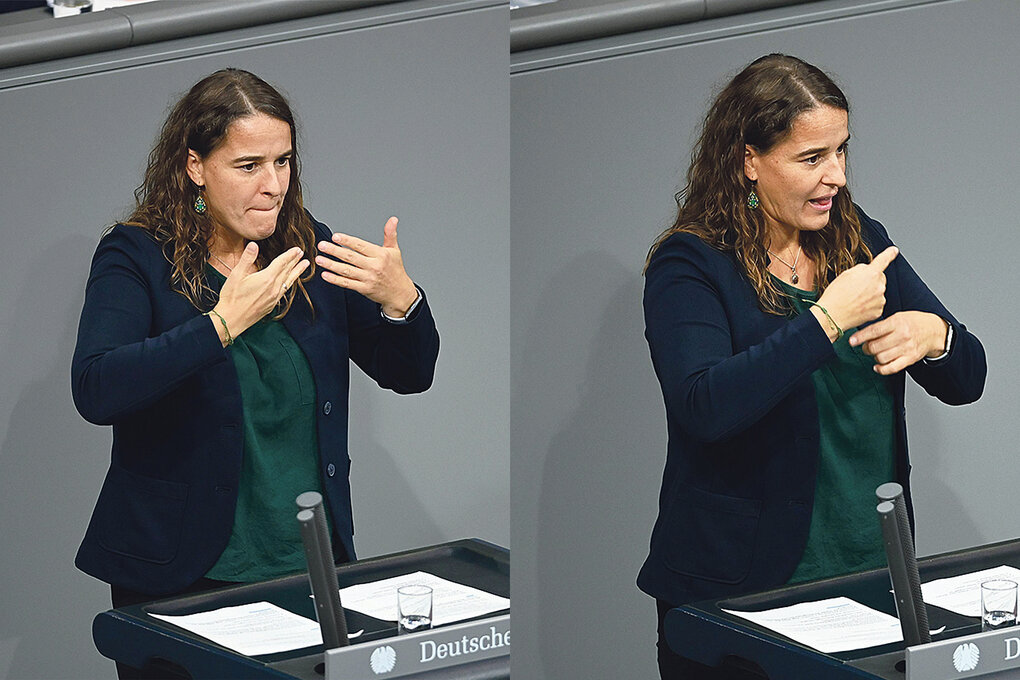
750 163
195 168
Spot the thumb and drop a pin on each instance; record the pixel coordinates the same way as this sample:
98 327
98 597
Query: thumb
884 258
247 261
390 233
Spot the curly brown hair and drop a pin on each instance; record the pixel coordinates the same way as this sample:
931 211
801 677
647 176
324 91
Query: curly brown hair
758 108
164 201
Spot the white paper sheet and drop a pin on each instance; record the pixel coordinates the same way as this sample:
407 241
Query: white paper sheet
450 601
251 629
838 624
962 594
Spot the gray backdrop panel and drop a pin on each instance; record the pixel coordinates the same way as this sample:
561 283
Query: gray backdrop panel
402 114
599 147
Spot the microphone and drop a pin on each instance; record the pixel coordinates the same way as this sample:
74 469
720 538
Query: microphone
321 571
899 552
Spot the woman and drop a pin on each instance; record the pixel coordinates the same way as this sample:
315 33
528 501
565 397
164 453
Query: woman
781 320
218 351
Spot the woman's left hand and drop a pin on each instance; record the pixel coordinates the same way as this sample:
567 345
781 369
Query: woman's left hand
377 272
902 340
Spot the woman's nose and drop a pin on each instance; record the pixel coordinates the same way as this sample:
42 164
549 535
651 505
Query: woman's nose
836 173
273 183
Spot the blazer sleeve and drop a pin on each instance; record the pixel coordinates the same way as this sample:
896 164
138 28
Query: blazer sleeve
119 366
398 356
691 304
960 377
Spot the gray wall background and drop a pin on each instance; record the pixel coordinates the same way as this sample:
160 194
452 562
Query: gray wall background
405 111
602 133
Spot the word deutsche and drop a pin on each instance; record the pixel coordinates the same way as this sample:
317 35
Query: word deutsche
430 650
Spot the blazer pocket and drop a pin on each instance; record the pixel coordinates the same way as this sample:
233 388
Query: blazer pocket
711 536
141 517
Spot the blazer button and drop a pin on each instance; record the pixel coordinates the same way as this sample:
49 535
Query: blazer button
327 407
330 469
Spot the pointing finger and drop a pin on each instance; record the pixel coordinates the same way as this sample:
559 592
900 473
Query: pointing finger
884 258
869 332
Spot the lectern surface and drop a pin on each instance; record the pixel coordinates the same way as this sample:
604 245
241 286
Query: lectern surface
704 632
131 636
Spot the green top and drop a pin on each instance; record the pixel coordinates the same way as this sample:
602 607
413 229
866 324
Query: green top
280 453
856 454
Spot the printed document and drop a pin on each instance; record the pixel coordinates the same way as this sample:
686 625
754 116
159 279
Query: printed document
450 601
251 629
264 628
962 594
838 624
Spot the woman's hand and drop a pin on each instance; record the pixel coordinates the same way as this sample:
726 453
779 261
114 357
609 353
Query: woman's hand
377 272
249 294
857 295
902 340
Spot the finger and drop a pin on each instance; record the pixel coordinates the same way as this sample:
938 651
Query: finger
872 332
340 268
342 253
885 258
883 346
887 355
344 282
893 367
282 262
295 274
246 262
355 243
390 233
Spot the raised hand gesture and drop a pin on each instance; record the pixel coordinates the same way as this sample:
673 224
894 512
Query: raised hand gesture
858 295
249 294
377 272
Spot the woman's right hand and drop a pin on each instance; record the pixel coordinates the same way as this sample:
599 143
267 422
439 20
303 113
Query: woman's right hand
857 295
249 294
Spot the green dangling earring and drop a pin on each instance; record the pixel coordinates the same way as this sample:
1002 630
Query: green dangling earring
752 200
200 206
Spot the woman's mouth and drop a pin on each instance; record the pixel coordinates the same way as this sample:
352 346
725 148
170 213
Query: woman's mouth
823 204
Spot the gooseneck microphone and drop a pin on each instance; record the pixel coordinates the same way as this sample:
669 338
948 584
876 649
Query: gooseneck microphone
899 552
321 570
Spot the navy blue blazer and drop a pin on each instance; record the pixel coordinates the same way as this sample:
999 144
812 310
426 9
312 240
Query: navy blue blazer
738 486
150 364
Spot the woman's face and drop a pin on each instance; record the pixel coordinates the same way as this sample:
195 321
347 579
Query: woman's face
798 178
245 178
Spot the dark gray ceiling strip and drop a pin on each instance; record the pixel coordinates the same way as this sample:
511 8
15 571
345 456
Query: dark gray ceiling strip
49 38
46 38
176 19
574 24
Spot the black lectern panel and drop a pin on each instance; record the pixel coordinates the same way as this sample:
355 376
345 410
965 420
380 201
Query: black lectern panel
131 636
704 632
